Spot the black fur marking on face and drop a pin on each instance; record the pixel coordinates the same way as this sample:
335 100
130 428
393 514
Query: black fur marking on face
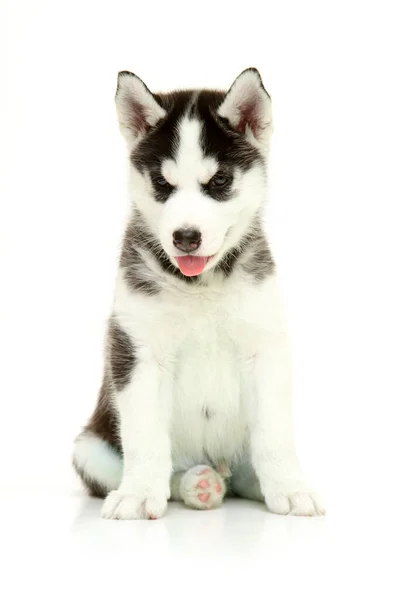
230 148
122 355
162 191
161 142
220 192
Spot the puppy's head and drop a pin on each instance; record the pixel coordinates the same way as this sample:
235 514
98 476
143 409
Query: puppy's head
198 163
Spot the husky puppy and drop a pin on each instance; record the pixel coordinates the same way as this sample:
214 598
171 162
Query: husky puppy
196 397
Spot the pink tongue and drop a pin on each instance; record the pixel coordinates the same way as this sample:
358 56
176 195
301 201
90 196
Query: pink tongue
191 265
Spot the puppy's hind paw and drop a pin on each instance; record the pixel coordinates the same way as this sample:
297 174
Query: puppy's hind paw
202 488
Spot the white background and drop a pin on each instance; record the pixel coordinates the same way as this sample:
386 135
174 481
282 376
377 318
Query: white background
332 70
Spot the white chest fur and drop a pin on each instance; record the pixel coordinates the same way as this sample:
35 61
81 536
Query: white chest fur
207 415
206 339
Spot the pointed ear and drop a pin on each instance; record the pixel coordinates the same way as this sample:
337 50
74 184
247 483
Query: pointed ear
137 108
247 107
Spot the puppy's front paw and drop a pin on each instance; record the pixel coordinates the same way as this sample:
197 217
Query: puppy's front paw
284 499
120 505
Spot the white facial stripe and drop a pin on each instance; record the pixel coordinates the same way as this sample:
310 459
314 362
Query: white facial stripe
190 167
169 171
210 167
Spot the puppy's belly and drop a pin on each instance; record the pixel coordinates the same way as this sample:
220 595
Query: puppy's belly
208 421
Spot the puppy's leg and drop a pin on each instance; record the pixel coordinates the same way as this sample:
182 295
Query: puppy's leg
273 453
143 400
200 487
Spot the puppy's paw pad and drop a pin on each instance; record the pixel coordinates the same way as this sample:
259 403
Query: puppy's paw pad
203 497
204 483
202 488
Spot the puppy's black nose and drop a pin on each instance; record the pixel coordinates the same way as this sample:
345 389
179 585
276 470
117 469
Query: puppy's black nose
187 240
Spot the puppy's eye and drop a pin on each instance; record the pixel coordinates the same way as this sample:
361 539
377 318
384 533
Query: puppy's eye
219 180
161 181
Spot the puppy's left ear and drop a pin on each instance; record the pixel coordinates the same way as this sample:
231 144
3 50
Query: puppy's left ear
247 107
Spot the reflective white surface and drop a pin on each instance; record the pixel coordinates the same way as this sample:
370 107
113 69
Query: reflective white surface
56 545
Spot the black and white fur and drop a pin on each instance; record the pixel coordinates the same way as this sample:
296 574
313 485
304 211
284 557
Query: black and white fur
196 396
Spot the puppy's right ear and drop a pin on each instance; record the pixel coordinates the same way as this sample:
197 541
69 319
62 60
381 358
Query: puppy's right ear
137 108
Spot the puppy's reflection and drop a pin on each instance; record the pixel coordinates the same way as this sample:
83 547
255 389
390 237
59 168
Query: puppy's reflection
238 528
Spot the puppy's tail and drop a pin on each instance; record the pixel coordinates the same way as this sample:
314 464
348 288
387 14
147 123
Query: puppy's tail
97 463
